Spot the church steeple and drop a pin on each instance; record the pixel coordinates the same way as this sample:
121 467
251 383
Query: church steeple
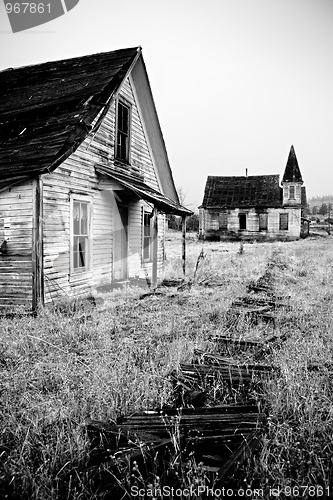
292 172
292 181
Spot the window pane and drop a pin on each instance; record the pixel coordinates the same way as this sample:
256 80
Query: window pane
82 251
80 234
146 248
242 221
283 222
122 136
263 221
223 220
84 218
76 218
146 236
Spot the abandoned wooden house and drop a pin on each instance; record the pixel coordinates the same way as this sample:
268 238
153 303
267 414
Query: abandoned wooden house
254 207
85 179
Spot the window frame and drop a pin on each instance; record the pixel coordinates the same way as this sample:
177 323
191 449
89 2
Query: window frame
82 200
292 189
242 216
281 216
127 134
147 213
261 216
223 221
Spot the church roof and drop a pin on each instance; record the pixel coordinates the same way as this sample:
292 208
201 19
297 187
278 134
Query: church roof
243 192
292 172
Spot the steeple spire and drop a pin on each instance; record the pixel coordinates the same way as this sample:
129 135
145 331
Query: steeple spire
292 172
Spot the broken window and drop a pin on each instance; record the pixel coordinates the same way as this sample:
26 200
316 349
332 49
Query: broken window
223 221
214 221
123 131
80 235
263 222
242 221
147 236
283 222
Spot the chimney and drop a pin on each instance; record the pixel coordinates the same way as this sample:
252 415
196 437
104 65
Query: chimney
246 172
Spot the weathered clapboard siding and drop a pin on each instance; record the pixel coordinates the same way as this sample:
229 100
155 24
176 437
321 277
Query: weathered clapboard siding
16 223
104 140
210 223
104 203
77 176
69 151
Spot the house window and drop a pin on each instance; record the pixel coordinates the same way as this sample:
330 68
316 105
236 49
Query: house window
283 222
80 229
214 221
147 236
242 221
223 221
291 192
123 131
263 222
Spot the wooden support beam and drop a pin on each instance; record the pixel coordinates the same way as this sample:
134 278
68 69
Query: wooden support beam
155 248
37 244
184 243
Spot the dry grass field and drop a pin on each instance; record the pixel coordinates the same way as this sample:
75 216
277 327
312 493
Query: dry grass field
72 364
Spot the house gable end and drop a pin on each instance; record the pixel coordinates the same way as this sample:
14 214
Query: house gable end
47 110
149 116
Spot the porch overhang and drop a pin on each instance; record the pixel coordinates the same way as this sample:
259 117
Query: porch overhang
145 192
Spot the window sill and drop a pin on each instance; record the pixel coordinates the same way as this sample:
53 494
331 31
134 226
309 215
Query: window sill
77 276
119 161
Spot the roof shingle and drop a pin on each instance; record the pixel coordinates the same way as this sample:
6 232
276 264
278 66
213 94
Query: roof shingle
238 192
46 110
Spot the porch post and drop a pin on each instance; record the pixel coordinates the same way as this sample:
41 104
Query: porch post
184 243
155 248
37 244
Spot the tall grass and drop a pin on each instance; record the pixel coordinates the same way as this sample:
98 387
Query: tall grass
65 366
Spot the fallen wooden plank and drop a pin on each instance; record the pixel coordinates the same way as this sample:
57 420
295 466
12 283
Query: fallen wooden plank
238 342
218 360
247 446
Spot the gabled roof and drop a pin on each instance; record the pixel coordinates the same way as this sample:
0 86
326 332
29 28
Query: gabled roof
46 110
292 172
242 192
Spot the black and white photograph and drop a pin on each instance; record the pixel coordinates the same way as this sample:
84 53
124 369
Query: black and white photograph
166 249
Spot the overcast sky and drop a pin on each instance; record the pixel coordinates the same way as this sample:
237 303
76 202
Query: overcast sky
235 82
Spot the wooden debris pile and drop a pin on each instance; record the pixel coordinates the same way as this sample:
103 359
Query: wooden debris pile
261 301
206 425
200 429
218 438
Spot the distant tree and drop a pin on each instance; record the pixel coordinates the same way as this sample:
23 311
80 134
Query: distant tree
307 210
192 223
181 195
314 210
323 209
174 222
330 206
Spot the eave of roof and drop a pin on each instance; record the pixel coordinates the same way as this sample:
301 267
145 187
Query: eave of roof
145 192
47 110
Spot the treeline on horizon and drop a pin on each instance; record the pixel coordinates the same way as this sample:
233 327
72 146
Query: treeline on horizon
318 200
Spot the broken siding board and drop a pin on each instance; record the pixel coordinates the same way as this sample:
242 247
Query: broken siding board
16 228
97 148
140 155
103 237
